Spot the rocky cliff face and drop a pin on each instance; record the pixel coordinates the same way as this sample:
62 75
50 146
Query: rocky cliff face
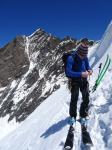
13 61
30 70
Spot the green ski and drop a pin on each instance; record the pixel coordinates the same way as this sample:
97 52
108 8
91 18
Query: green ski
102 73
103 68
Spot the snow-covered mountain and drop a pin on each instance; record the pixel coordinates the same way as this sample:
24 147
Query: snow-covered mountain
46 128
30 71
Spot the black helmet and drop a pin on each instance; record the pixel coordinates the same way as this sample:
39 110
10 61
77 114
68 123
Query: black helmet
85 40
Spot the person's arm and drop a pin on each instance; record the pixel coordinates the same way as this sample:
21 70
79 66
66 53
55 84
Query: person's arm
88 68
69 71
87 64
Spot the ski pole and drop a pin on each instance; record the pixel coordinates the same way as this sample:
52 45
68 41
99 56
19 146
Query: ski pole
89 77
89 74
100 65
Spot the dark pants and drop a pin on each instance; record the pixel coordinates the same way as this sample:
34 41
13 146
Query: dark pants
83 86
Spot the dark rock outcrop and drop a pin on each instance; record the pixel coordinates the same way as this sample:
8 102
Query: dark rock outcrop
13 61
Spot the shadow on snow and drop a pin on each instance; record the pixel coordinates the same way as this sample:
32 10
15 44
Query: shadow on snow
55 128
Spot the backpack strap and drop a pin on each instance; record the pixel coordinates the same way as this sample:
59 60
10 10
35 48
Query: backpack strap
75 60
73 54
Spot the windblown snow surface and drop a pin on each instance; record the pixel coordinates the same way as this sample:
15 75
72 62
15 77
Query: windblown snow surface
46 128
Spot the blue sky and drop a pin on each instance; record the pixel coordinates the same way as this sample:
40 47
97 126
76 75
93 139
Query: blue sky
76 18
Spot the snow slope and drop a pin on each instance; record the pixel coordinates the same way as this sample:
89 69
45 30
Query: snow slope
46 128
104 44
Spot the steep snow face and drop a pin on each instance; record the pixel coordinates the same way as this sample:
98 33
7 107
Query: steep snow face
106 41
104 44
46 128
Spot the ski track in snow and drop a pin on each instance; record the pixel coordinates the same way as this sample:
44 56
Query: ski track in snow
46 128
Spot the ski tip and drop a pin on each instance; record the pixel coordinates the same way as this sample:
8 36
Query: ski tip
67 148
89 144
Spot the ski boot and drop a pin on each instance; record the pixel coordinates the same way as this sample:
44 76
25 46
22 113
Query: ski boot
83 122
71 121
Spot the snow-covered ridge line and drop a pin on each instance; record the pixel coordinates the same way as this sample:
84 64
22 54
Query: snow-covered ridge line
38 30
27 47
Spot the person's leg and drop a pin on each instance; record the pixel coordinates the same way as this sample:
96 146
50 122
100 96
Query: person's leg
85 97
74 99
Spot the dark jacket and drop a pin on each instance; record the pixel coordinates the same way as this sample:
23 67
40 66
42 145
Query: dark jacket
75 66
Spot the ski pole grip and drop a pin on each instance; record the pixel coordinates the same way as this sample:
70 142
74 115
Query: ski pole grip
100 65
